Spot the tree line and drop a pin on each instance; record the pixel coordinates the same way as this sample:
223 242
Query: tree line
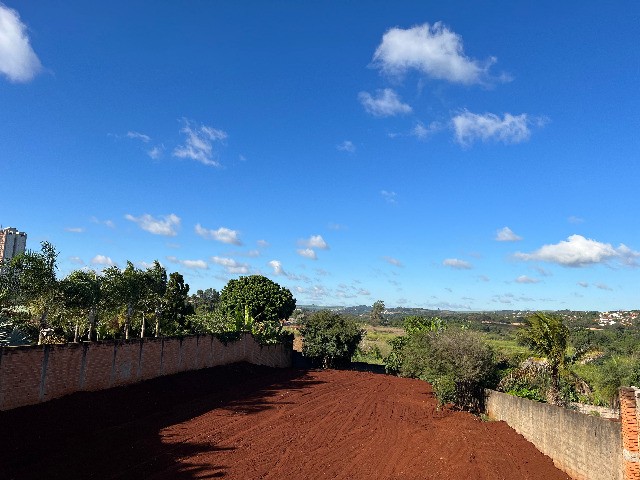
123 303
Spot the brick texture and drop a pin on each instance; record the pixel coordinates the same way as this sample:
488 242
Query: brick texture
31 375
630 440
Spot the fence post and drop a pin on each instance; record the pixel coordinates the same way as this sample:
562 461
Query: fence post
630 441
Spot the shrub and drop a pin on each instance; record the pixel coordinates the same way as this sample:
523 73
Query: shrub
330 339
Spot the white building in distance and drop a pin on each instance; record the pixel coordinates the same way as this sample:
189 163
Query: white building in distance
12 243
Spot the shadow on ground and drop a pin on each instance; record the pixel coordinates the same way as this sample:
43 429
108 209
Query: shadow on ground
117 433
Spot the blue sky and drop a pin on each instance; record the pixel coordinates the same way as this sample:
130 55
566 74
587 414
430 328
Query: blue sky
450 155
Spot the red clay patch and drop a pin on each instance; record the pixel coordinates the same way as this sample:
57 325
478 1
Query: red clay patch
248 422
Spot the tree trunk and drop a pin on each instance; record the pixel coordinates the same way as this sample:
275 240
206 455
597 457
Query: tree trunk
158 315
76 332
92 322
142 328
42 326
127 321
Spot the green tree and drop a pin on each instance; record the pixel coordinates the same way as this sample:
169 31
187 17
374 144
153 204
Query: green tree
82 291
547 337
176 309
376 316
266 301
125 289
205 301
155 278
330 339
33 283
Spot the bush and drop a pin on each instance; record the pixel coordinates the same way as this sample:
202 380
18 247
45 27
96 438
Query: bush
330 339
457 363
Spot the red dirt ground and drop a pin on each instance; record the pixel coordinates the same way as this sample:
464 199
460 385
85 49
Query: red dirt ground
247 422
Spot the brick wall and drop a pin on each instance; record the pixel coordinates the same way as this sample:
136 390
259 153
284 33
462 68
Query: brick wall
31 375
583 446
630 419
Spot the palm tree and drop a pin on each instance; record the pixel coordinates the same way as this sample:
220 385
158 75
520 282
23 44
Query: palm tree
547 337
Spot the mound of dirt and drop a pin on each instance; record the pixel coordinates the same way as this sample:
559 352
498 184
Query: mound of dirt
246 422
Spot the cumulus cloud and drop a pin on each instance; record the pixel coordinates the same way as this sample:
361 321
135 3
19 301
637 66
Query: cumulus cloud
198 144
347 146
393 261
166 225
102 260
18 61
231 266
506 235
390 197
385 103
526 279
578 251
314 241
307 253
434 51
224 235
190 264
456 263
155 152
277 267
469 127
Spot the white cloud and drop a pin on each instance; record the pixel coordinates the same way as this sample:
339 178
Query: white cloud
314 241
422 132
390 197
307 253
277 267
18 61
347 146
262 243
74 229
433 50
199 143
337 226
386 103
526 279
506 235
224 235
583 284
469 127
102 260
164 225
190 264
456 263
578 251
484 278
393 261
231 265
139 136
76 260
155 152
575 220
603 286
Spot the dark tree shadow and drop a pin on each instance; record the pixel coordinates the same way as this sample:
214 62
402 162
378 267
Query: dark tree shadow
117 433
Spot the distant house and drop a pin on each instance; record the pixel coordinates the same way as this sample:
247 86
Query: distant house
12 243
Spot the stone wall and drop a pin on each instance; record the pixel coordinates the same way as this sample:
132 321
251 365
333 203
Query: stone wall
31 375
584 446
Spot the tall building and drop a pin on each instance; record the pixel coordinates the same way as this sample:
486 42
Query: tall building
12 243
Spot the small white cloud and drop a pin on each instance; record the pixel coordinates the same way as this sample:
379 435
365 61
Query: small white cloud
262 243
18 61
526 279
484 278
393 261
433 50
575 220
190 264
224 235
74 229
347 146
583 284
308 253
314 241
164 225
603 286
102 260
386 103
390 197
456 263
506 235
156 152
337 226
422 132
469 127
578 251
76 260
139 136
199 143
277 267
231 265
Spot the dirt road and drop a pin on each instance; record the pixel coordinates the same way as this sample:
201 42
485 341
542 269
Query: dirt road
248 422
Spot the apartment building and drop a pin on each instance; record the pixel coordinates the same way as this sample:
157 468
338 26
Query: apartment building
12 243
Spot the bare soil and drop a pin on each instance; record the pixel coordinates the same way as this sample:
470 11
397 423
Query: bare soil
247 422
